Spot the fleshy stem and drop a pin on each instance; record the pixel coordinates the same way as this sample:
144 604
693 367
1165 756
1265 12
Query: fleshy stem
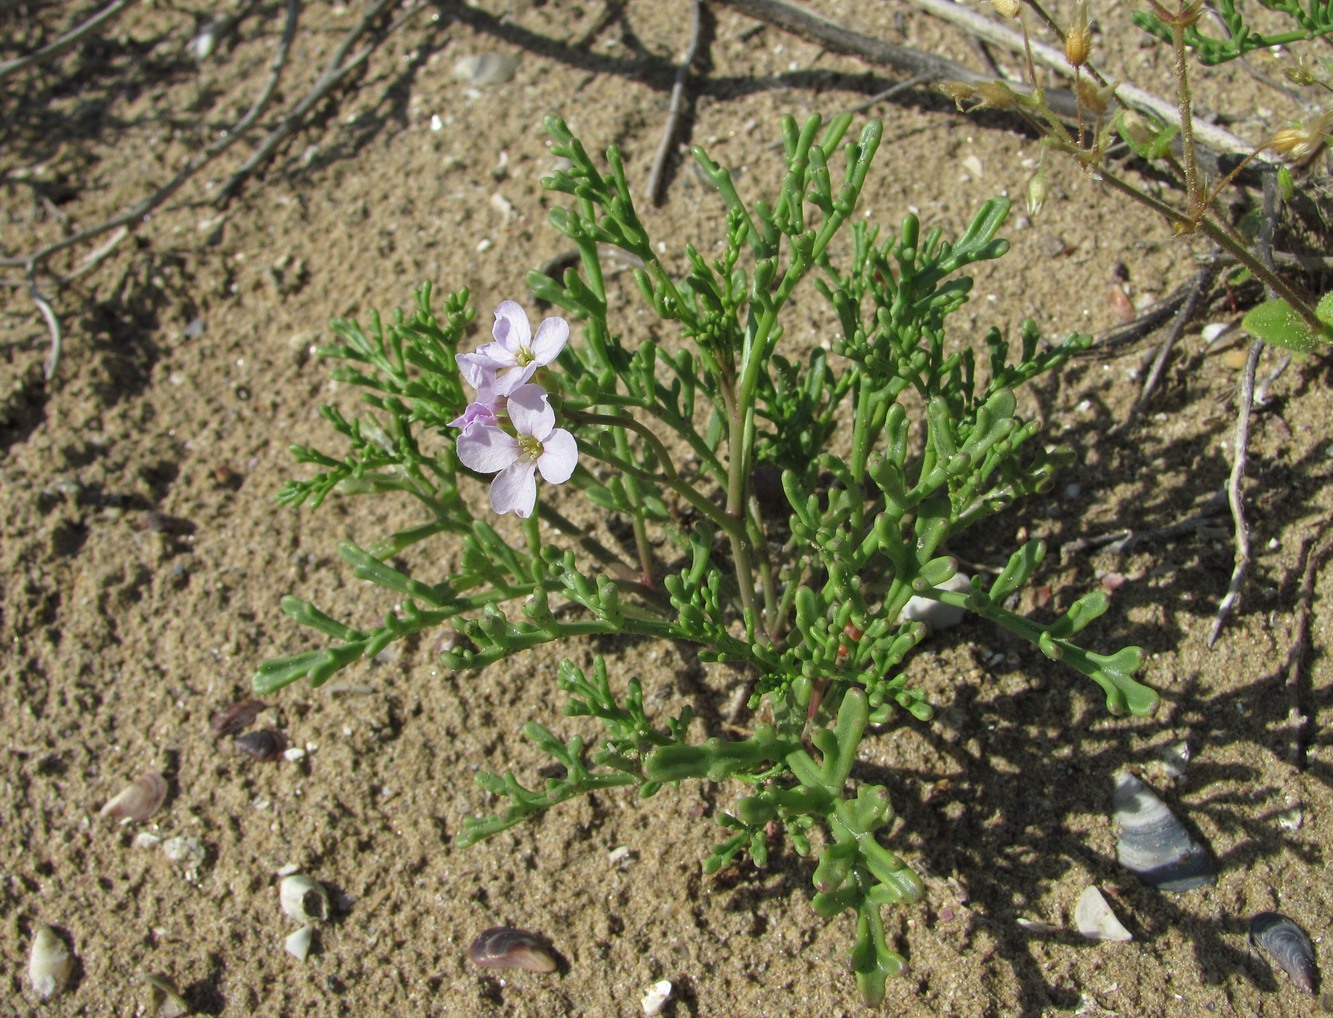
669 476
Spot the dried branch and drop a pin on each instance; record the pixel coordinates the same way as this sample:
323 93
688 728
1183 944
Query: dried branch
1196 290
337 69
65 43
657 176
32 262
1235 496
965 17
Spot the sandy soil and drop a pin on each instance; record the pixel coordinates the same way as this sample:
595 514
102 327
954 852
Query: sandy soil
143 556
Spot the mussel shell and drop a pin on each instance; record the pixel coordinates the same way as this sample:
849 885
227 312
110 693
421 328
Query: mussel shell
1287 944
50 963
235 717
504 947
265 744
138 800
1153 844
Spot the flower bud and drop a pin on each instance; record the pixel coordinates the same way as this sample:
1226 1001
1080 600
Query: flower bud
1006 8
1036 193
1078 40
1093 97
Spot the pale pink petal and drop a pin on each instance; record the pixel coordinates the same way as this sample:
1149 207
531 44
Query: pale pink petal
512 330
552 335
477 371
477 413
531 412
486 449
511 378
514 489
560 455
496 356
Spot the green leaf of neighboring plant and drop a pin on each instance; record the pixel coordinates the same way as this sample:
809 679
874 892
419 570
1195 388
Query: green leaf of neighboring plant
1276 322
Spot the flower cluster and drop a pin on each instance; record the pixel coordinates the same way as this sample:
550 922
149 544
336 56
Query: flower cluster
509 428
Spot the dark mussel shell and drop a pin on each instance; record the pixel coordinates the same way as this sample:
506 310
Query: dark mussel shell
235 717
1153 844
1287 944
265 744
504 947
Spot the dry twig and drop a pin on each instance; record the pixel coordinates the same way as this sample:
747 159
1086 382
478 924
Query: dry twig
31 263
66 42
1299 721
657 177
1195 291
1235 496
335 72
965 17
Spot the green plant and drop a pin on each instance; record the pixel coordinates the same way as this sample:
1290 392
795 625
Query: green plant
809 600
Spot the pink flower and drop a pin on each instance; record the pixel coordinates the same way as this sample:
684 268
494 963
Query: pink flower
516 354
537 444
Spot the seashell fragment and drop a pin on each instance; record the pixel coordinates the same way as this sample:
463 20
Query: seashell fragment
503 947
298 944
655 999
138 800
49 963
1287 944
265 744
303 898
1095 920
235 717
481 69
936 614
165 1000
1153 844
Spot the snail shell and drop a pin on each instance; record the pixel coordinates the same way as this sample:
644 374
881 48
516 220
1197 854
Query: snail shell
303 898
1153 844
1287 944
49 963
503 947
138 800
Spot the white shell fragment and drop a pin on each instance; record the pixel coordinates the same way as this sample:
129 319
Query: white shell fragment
1175 758
186 851
138 800
1153 844
1095 920
303 898
164 1000
480 69
655 999
49 963
935 614
298 944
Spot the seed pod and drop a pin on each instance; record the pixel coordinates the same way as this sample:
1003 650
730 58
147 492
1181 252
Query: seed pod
49 963
304 898
264 744
235 717
1287 944
503 947
138 800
